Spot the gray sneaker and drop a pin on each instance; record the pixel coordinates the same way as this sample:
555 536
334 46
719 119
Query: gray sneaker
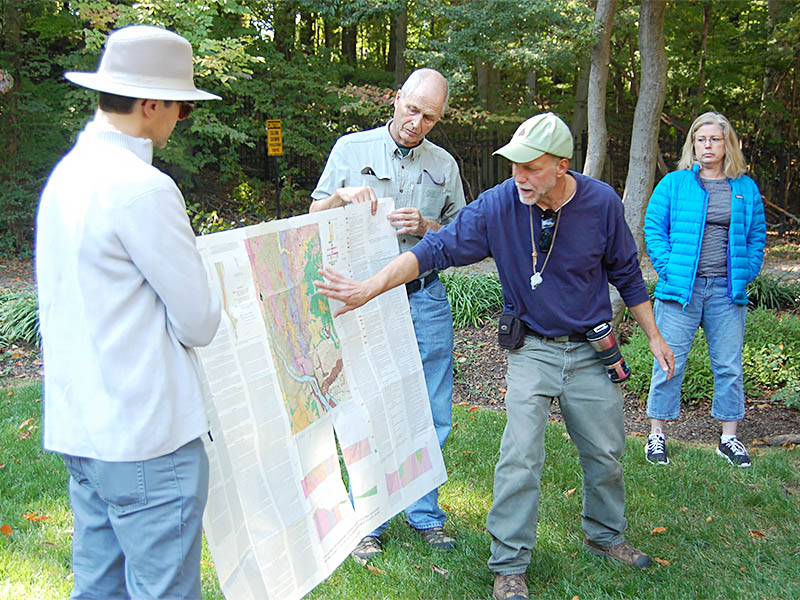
735 452
656 449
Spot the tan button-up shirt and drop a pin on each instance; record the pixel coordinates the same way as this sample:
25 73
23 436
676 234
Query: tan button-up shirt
427 178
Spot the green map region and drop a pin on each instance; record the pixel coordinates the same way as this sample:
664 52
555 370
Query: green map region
304 344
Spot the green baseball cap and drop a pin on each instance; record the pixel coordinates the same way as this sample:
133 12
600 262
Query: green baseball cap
542 134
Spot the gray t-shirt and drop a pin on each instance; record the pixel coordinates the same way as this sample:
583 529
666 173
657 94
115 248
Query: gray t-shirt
714 251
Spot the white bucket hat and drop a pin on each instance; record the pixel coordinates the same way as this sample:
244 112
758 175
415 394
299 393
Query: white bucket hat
145 62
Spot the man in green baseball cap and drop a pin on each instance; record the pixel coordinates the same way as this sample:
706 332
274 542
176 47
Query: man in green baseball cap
558 238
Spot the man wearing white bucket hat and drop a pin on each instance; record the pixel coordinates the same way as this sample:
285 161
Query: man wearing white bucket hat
123 298
558 238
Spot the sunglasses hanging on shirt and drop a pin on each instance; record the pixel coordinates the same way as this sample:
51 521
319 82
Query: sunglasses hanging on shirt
546 239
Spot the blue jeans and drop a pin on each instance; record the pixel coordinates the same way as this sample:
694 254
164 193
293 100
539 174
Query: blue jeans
433 325
723 323
592 409
138 525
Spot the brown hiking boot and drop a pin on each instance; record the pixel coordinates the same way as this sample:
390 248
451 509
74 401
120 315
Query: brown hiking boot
436 537
510 587
623 552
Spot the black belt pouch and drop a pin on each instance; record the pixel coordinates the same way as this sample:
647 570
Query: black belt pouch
510 331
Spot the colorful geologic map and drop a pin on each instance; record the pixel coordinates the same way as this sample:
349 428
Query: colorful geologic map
304 343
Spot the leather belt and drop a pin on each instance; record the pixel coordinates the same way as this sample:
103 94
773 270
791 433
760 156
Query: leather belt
418 284
572 337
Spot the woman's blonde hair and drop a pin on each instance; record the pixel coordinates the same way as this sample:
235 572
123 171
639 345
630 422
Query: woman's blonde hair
733 165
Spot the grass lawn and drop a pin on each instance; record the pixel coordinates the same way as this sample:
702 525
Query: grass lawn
715 531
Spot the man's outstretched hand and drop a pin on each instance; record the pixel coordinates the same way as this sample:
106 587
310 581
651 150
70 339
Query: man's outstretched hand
349 292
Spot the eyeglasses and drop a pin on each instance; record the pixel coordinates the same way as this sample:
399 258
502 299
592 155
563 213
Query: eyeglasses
546 237
185 109
712 140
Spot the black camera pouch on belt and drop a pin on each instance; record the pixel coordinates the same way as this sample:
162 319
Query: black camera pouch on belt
510 331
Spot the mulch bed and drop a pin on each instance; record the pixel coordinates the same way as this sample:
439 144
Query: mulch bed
480 381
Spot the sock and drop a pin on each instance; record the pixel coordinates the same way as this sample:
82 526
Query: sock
726 438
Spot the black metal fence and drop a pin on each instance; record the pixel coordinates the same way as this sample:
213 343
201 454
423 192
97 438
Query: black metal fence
773 167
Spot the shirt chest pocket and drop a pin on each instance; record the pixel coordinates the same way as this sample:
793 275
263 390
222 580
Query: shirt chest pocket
429 193
379 181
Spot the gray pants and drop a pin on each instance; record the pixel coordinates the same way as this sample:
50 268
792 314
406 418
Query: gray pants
592 409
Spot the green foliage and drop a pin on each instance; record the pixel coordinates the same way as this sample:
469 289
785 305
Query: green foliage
19 318
713 533
778 293
473 298
770 357
504 60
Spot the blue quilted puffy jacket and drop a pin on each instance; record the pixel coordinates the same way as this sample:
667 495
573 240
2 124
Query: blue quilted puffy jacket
673 232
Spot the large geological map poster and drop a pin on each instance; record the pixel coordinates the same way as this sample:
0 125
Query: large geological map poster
296 395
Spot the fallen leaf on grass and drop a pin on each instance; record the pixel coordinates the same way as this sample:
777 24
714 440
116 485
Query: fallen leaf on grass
658 530
462 403
440 571
47 544
418 567
661 561
25 423
637 434
708 519
32 516
374 570
576 598
474 408
756 534
6 530
569 492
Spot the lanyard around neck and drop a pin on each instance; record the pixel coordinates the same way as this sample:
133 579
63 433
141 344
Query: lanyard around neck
536 278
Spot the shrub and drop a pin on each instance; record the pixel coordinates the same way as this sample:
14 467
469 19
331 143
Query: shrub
777 293
473 298
770 360
19 318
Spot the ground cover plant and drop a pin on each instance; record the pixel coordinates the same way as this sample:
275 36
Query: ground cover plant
714 531
770 358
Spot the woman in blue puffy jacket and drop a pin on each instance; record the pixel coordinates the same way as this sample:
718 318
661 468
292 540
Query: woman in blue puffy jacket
705 235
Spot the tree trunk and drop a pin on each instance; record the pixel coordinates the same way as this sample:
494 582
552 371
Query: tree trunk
12 47
579 115
349 43
598 79
488 79
328 34
284 25
307 31
701 75
397 49
646 120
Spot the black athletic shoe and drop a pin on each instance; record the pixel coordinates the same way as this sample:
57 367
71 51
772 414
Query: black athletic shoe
735 452
656 449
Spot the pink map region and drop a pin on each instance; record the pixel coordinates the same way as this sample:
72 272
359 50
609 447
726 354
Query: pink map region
318 474
326 519
355 452
412 467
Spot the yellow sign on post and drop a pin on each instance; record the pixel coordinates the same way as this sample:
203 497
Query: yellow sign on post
274 138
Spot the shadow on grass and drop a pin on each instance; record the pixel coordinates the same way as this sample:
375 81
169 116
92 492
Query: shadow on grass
727 533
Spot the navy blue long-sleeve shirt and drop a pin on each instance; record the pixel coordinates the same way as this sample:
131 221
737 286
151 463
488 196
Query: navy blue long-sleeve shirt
593 246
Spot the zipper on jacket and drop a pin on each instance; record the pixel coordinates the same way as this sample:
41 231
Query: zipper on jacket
696 170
